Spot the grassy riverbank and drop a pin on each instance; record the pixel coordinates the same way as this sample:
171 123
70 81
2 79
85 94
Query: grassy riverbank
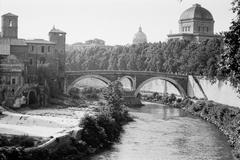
226 118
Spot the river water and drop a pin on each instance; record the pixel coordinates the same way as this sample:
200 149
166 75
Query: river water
163 133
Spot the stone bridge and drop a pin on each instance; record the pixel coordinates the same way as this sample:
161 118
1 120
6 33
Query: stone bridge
137 79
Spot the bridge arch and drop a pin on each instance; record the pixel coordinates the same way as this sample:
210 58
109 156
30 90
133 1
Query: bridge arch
170 80
101 78
131 80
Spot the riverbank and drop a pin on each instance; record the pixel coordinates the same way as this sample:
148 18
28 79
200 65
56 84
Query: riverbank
85 128
225 118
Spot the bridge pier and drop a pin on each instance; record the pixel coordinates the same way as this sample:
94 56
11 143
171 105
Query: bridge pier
65 86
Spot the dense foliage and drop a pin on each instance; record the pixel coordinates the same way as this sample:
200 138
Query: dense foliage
24 141
89 93
104 128
174 56
230 60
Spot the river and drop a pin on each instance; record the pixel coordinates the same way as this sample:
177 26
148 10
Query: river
163 133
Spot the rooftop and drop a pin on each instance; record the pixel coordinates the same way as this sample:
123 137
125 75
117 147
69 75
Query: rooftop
39 41
196 12
54 30
9 15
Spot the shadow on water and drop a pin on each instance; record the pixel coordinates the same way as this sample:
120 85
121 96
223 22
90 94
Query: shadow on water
164 133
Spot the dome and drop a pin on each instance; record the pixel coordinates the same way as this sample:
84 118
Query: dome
139 37
196 12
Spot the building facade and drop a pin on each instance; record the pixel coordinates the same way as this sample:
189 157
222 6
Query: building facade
21 60
195 23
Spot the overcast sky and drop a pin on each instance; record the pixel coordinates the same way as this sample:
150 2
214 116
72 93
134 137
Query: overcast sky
115 21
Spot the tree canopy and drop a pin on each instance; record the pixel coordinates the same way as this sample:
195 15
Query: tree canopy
173 56
230 59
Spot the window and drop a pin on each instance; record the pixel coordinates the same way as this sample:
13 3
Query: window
207 29
30 61
49 48
32 48
182 29
42 49
13 81
10 23
199 28
188 28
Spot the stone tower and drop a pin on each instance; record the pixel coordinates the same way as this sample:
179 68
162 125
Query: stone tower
59 38
9 26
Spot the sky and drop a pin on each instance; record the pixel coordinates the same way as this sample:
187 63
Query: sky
114 21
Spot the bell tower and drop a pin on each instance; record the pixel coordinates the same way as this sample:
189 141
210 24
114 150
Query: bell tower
9 26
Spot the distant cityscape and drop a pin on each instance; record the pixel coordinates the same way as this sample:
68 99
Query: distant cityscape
20 59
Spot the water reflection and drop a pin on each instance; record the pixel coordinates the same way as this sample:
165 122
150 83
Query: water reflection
163 133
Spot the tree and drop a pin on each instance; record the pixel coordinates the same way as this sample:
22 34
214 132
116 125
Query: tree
131 65
113 62
230 59
122 62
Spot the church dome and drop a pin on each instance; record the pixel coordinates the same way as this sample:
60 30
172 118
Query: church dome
139 37
196 12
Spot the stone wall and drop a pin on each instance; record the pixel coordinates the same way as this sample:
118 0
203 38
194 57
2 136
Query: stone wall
221 92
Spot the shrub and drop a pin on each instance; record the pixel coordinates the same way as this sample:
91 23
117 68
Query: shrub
172 98
104 128
92 133
155 95
4 141
179 100
90 93
198 106
24 141
111 127
74 93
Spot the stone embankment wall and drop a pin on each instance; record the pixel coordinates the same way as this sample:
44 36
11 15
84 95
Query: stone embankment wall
221 92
